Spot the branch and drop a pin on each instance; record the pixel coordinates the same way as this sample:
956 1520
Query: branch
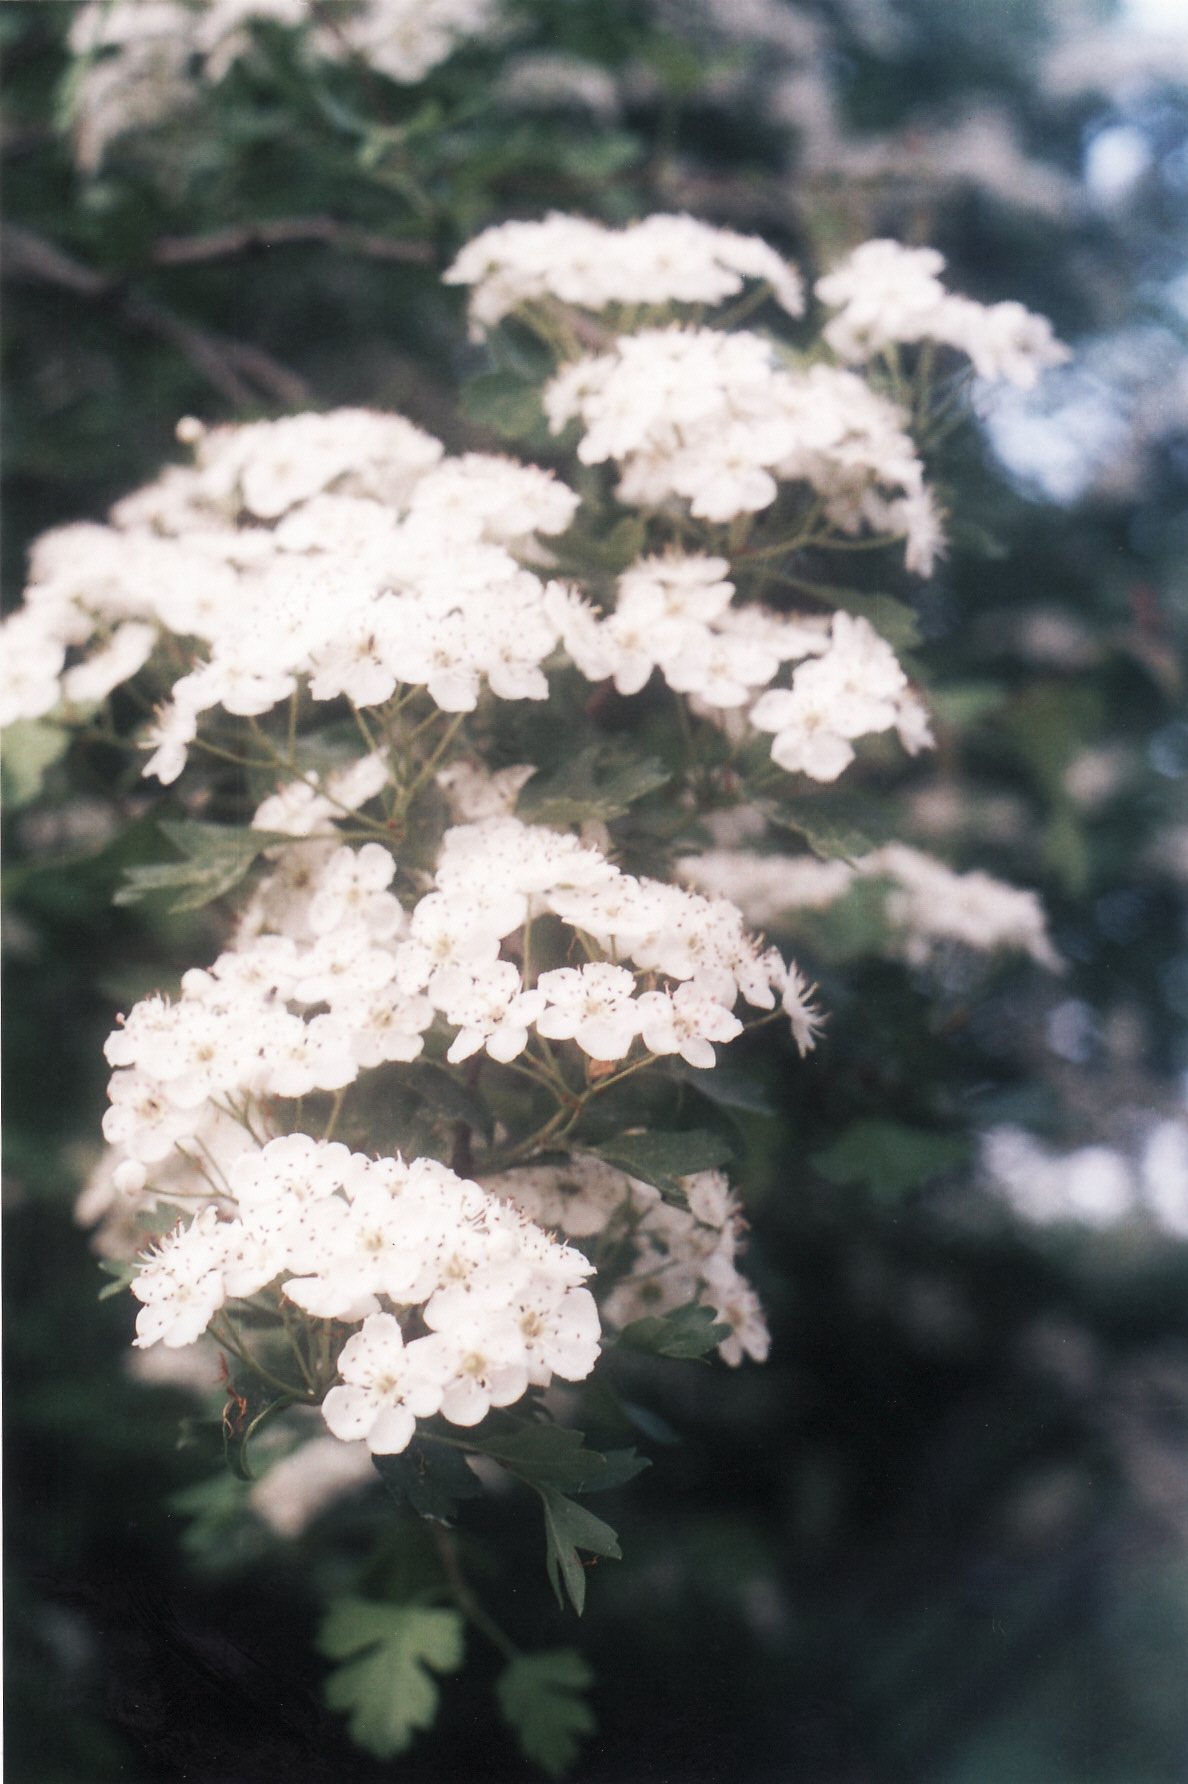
221 244
239 371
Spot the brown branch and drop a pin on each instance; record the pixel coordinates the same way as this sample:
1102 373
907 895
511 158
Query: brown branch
239 371
221 244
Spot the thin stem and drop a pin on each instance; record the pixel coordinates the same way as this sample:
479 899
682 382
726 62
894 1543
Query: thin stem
462 1595
335 1112
222 1336
212 749
426 773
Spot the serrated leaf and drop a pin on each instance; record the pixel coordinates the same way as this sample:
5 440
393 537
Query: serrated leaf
447 1096
568 1528
554 1456
830 837
622 1465
603 781
388 1692
689 1331
537 1698
29 750
663 1159
504 402
431 1477
889 1157
217 858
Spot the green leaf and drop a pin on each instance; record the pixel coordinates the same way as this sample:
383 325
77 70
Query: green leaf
551 1455
568 1528
537 1697
122 1272
889 1157
688 1331
217 858
447 1096
726 1085
585 548
30 749
431 1477
505 403
893 619
599 158
964 702
833 837
663 1159
216 1509
603 781
388 1690
622 1465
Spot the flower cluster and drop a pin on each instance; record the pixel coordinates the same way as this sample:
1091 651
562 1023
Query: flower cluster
338 549
330 977
342 1234
721 421
885 293
928 906
661 260
677 1255
144 60
675 613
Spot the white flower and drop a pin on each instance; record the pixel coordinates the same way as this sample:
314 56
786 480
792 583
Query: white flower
717 419
592 1005
490 1010
685 1021
385 1390
661 260
885 293
181 1284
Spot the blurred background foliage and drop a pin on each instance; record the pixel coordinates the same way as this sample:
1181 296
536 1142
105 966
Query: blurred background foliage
943 1536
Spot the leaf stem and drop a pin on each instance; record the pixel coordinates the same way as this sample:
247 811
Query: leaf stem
462 1595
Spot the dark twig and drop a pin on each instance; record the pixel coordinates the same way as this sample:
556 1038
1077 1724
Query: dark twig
239 371
221 244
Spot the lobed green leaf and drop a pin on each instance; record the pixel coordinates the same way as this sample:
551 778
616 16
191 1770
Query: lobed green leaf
538 1699
390 1652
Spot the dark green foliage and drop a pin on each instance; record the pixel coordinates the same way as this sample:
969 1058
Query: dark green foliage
663 1159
